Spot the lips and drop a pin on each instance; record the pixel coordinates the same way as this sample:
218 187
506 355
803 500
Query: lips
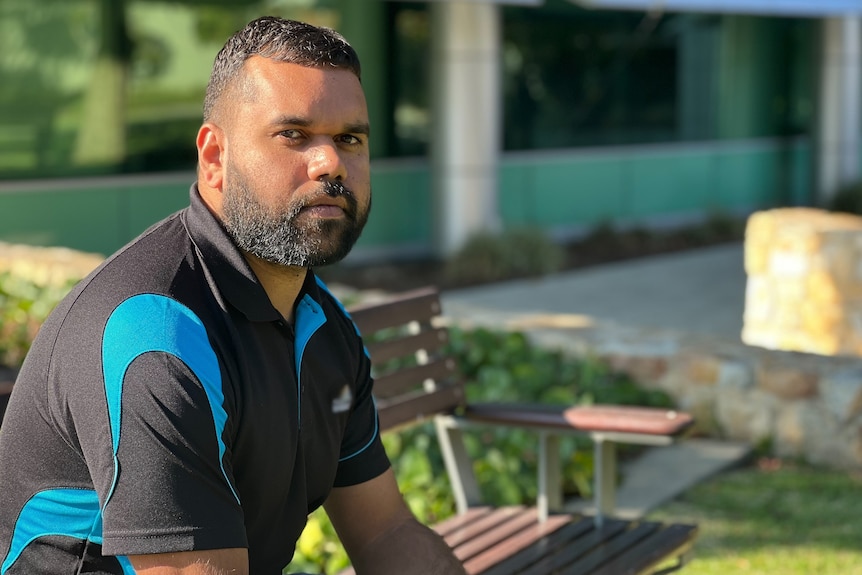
324 210
326 201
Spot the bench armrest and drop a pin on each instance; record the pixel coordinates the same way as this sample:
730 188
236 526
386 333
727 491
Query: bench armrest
630 424
606 425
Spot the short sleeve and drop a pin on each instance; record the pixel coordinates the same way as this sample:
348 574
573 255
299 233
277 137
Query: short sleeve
169 487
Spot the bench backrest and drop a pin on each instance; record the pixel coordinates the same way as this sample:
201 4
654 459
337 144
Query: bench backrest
414 378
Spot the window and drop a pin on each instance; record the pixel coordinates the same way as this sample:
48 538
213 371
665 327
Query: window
575 77
101 86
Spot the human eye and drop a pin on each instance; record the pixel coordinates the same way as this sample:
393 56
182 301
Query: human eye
350 140
291 134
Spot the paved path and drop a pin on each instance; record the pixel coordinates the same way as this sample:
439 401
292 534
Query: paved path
697 291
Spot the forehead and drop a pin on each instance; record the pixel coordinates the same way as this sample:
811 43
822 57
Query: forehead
274 88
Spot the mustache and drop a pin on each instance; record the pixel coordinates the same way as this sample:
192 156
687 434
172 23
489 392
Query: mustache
335 189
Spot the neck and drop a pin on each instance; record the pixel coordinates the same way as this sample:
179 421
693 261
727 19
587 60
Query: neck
281 283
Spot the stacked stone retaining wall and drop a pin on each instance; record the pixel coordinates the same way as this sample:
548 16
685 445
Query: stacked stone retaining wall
797 405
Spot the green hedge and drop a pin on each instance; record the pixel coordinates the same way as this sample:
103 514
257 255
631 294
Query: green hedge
24 305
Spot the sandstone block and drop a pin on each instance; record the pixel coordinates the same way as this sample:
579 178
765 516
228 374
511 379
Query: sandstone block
808 430
735 375
745 416
787 382
804 269
789 437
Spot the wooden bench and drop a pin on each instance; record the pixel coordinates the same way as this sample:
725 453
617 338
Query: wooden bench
406 332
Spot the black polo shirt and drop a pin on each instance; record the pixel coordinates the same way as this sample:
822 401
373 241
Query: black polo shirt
166 406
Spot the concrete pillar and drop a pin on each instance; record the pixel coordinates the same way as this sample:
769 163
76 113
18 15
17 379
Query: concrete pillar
466 117
838 153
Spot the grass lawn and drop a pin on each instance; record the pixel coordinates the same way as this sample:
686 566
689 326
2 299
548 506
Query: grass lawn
775 518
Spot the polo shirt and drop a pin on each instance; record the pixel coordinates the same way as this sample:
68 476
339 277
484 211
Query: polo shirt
166 406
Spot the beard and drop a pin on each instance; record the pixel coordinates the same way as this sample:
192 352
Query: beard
282 235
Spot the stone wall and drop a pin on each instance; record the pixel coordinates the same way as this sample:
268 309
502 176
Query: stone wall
796 404
794 382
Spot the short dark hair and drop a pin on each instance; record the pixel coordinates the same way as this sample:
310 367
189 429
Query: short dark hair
282 40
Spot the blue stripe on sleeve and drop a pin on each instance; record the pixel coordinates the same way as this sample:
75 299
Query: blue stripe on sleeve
156 323
67 512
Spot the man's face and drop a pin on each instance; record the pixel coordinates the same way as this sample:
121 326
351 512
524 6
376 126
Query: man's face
297 189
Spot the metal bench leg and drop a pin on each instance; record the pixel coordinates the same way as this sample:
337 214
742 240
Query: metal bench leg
550 497
605 478
459 466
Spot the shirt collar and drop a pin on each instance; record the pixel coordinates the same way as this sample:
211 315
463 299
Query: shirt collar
229 268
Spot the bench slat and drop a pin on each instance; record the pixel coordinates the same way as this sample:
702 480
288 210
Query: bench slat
430 341
526 551
418 407
673 540
612 549
417 305
574 549
545 537
465 532
409 378
464 540
461 521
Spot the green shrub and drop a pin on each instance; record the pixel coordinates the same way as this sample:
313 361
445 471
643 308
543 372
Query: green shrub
24 305
489 256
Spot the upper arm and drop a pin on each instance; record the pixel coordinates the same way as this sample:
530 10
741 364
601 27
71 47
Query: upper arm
212 562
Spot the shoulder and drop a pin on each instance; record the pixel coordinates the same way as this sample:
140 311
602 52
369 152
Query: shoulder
152 278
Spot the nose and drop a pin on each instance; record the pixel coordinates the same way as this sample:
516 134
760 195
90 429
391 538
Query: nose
325 162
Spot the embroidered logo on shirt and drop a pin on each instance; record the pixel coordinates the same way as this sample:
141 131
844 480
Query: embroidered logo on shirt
343 402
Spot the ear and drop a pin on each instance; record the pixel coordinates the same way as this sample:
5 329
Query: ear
211 149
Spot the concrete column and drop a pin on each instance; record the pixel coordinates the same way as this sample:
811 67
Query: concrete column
466 117
838 153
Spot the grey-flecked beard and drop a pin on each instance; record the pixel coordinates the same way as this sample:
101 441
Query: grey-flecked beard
282 237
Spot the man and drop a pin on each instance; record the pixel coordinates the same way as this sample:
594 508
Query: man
192 400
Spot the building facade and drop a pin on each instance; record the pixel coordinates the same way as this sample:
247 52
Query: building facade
553 114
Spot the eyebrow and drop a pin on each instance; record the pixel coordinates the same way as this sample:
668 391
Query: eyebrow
351 128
